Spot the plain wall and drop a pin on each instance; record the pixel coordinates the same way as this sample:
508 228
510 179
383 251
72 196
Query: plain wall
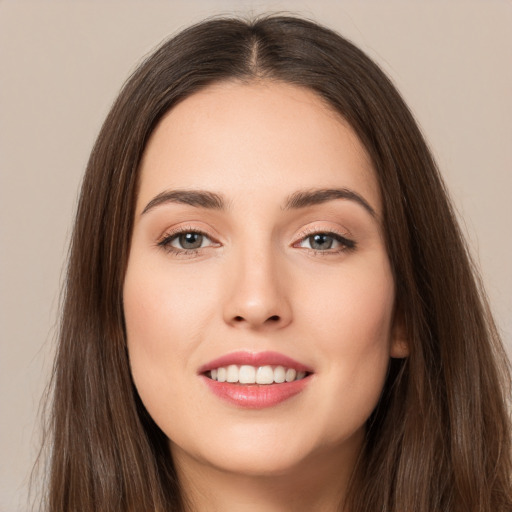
61 65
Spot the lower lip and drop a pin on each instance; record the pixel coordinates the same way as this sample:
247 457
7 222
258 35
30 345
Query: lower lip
256 396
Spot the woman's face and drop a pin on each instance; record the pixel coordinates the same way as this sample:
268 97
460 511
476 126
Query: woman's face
258 256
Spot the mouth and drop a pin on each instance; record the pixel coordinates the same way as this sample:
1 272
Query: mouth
255 380
263 375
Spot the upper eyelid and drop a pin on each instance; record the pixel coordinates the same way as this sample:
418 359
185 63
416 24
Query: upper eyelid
176 234
171 232
310 231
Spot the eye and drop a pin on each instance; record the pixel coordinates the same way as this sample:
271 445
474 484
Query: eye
189 240
324 242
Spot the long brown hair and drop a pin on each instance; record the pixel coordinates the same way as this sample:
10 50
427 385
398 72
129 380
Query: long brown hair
439 439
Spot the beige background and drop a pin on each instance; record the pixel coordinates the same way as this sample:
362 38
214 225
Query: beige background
61 65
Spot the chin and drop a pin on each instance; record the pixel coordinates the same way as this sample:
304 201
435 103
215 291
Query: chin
263 452
257 465
258 452
264 463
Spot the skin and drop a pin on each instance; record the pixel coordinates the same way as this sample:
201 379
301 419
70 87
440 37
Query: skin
256 284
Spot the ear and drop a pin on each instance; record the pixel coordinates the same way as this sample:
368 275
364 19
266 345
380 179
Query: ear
399 348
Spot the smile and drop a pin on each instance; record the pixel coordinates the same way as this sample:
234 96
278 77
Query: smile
247 374
255 380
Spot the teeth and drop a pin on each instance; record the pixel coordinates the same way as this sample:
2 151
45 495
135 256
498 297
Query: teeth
290 375
279 374
232 373
247 374
265 375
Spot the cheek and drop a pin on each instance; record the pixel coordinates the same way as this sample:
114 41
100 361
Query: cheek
352 326
165 320
165 309
351 310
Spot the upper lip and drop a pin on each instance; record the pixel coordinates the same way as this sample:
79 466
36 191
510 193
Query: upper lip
267 358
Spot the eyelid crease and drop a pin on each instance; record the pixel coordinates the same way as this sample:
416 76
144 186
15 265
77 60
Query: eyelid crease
308 231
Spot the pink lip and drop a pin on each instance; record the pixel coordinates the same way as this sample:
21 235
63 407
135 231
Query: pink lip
255 396
255 359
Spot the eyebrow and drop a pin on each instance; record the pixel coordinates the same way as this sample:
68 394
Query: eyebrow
299 199
197 198
311 197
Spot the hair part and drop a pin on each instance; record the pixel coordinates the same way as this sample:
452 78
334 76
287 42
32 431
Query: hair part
440 436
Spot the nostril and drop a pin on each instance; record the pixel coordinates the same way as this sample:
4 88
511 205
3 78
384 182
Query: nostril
272 319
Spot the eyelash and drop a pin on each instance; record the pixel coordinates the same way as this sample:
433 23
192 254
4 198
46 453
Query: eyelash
346 243
168 238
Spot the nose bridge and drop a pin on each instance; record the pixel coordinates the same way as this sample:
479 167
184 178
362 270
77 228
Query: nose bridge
257 295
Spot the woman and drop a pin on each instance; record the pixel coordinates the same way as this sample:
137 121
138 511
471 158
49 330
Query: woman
269 304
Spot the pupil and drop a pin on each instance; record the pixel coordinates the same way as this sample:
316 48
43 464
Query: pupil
321 241
191 240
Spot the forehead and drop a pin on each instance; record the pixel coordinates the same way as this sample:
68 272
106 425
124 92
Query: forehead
262 139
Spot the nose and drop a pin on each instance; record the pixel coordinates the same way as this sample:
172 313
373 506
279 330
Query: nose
256 295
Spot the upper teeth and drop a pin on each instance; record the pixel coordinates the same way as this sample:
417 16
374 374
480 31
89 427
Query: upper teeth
247 374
